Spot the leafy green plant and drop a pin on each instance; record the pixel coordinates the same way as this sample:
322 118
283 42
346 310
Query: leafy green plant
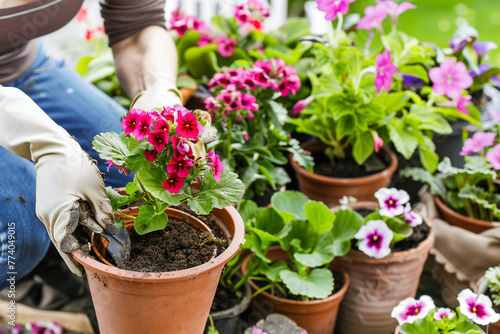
493 276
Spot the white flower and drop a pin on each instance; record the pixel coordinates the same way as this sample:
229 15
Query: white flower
391 201
443 312
410 309
478 309
411 217
375 239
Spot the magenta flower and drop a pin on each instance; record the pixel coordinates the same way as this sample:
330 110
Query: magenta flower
461 102
377 141
150 155
302 104
187 125
374 15
205 39
242 15
482 49
179 166
410 309
181 147
258 331
375 239
248 102
384 69
478 142
478 309
143 127
129 124
159 139
393 9
161 126
493 157
333 7
391 201
443 312
450 78
411 217
173 184
215 163
226 45
179 24
121 169
168 114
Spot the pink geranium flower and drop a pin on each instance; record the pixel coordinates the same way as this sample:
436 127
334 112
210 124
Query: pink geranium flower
181 147
478 142
384 70
121 169
374 15
477 308
179 166
493 157
226 45
187 125
248 102
411 217
173 184
143 127
333 7
450 78
410 309
443 312
391 201
302 104
375 239
159 139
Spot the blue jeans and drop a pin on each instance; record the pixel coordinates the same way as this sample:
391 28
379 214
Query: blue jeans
84 111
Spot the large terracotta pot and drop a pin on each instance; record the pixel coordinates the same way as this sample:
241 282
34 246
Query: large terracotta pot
378 285
330 189
457 219
316 316
163 303
493 328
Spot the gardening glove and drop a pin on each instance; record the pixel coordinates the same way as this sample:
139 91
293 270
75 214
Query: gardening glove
69 187
465 254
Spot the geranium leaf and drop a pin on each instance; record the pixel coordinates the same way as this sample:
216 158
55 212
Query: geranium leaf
216 195
319 216
290 201
111 146
272 271
148 220
153 179
317 284
346 225
270 221
323 253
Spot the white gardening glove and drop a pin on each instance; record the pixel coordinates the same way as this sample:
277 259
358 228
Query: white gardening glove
68 181
164 93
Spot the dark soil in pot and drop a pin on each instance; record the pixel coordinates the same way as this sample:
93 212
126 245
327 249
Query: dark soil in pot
345 168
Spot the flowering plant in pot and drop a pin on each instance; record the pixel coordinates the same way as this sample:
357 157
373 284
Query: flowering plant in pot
293 243
392 241
164 149
365 95
468 196
489 285
421 316
248 112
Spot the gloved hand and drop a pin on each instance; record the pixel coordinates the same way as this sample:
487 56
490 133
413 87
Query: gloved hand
69 187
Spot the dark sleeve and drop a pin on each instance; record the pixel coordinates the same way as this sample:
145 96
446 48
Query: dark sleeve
124 18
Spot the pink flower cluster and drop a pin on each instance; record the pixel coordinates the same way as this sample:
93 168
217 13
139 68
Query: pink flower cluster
173 130
479 142
250 16
374 15
181 23
236 84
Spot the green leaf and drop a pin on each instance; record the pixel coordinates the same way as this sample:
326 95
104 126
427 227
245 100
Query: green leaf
248 210
272 271
290 201
363 147
404 142
301 235
419 174
111 146
270 221
148 220
347 223
317 284
400 227
212 330
323 253
153 179
319 216
428 158
217 195
392 102
420 326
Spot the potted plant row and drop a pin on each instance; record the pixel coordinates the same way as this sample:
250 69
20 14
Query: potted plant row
164 268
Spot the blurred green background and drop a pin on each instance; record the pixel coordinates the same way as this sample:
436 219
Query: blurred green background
436 20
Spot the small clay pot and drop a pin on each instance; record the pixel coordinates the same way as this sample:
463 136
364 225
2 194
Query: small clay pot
316 316
168 302
186 93
493 328
378 285
330 189
457 219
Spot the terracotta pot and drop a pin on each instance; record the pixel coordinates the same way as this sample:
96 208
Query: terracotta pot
493 328
186 93
330 189
378 285
457 219
164 303
316 316
396 331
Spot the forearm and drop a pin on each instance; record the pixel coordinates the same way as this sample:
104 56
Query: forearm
144 59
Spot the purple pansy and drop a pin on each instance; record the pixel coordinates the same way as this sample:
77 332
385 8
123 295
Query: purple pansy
375 239
493 157
411 309
411 217
384 70
458 43
480 70
391 201
443 312
478 142
412 81
477 308
482 49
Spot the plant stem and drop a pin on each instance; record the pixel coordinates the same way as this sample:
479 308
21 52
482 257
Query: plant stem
124 215
262 289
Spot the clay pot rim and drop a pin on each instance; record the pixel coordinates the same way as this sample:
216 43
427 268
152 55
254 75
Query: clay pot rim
483 223
359 256
335 296
352 180
193 272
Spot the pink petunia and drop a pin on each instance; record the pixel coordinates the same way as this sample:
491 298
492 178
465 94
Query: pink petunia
179 166
161 126
450 78
377 141
143 127
302 104
333 7
374 15
173 184
493 157
384 69
181 147
478 142
412 218
187 125
121 169
150 155
461 103
393 9
129 124
159 139
215 163
247 101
